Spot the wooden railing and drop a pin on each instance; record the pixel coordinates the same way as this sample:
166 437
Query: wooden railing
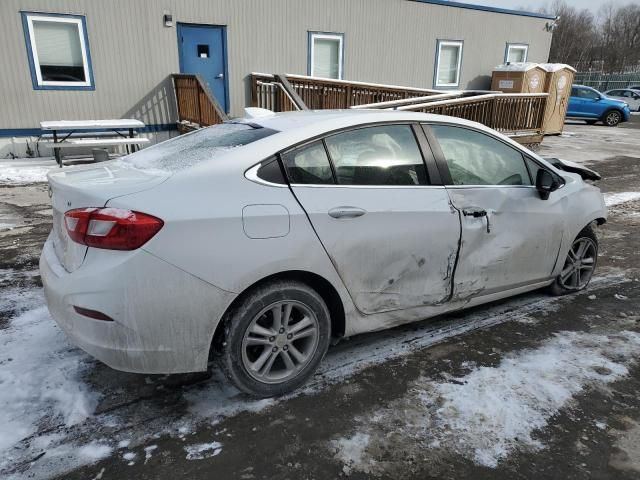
511 113
197 107
267 91
519 115
319 93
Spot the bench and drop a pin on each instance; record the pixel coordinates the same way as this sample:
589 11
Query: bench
81 133
96 142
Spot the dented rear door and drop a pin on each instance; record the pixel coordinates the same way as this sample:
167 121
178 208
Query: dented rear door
394 245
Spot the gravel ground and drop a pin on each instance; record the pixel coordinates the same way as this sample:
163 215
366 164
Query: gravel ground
532 387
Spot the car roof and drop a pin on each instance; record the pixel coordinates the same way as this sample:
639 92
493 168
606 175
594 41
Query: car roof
327 120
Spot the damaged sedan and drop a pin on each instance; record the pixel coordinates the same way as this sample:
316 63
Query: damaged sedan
259 241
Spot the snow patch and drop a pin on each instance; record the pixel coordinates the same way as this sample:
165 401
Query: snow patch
25 170
351 451
200 451
32 395
94 451
492 411
613 199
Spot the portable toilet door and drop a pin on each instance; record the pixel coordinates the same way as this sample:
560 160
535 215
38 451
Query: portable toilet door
518 78
558 81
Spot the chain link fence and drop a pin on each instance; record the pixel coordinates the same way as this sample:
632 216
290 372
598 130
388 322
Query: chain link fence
607 81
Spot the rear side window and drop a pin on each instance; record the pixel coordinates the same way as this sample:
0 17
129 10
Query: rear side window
381 155
308 165
475 158
188 150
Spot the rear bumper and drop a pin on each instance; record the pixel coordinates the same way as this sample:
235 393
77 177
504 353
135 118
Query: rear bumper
164 318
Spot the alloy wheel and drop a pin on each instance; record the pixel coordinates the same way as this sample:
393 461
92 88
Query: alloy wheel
579 265
280 341
613 118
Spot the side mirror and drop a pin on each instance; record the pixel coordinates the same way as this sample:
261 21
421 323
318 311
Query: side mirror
545 183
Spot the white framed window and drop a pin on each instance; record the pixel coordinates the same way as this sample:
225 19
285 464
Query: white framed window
516 53
448 63
326 55
58 51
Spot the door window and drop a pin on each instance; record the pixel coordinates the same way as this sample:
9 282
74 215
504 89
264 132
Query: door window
308 165
475 158
382 155
586 93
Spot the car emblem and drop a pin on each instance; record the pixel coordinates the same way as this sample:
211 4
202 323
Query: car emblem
49 191
68 204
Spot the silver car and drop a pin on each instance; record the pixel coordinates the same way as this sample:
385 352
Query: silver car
631 96
258 241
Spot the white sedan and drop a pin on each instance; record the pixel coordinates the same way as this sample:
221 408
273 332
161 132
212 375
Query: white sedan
262 239
632 97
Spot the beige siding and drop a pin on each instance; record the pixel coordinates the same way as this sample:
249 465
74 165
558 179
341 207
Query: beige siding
386 41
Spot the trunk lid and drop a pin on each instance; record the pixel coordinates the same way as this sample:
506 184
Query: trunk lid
91 186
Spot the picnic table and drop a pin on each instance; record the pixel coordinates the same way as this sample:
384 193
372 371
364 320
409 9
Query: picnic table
78 133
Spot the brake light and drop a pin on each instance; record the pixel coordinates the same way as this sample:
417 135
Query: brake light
111 228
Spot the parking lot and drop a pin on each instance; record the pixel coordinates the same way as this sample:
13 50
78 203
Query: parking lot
531 387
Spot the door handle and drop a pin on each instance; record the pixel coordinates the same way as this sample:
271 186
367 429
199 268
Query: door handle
477 212
220 75
346 212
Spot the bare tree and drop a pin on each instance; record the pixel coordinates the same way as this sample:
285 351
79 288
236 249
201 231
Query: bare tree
609 42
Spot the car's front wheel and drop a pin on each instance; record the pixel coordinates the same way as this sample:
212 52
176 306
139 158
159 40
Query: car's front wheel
579 264
276 338
612 118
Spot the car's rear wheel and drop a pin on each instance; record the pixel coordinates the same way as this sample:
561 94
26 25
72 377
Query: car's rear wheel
579 264
276 338
612 118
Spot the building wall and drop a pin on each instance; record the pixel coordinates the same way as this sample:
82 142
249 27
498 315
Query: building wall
386 41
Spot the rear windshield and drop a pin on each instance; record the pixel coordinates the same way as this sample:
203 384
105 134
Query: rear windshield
192 148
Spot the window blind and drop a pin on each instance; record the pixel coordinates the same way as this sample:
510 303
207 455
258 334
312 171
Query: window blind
326 57
57 43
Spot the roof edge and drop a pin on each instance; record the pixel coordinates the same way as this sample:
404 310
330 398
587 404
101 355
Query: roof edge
485 8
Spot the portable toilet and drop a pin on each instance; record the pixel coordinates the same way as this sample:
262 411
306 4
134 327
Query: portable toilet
558 81
518 78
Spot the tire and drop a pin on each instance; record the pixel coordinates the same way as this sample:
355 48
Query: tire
591 122
264 357
612 118
563 284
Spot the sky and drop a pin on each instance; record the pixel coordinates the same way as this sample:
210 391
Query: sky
534 5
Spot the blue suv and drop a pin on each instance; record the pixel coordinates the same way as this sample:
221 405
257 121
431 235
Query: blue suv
588 104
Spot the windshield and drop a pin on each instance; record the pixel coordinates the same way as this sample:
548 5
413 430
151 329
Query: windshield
188 150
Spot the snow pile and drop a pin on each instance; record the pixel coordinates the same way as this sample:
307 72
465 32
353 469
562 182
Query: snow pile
25 170
203 450
613 199
40 381
490 412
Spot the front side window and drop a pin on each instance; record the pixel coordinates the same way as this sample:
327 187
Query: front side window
382 155
475 158
326 55
58 51
448 62
516 53
585 93
308 165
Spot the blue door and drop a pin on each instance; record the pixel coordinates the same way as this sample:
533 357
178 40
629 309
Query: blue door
203 51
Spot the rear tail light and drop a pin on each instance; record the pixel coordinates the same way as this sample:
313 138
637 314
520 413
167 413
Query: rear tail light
111 228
